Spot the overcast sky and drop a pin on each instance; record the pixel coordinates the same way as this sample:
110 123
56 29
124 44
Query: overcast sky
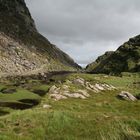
86 29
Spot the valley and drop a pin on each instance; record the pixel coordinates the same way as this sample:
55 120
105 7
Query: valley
46 95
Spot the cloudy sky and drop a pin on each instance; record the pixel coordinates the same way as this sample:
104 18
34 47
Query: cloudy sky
86 29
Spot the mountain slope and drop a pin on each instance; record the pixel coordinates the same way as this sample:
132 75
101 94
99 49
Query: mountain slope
22 48
125 59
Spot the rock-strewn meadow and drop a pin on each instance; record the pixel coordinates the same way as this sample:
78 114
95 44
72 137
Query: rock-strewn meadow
70 107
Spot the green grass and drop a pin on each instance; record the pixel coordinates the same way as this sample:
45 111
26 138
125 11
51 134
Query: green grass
2 86
42 87
20 94
100 117
19 100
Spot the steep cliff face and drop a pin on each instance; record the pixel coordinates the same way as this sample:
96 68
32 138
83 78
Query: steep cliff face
15 18
125 59
22 48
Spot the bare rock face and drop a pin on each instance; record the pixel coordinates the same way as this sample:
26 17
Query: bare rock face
17 58
22 48
127 96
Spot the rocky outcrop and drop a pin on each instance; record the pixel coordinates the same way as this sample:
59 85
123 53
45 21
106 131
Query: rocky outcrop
64 91
127 96
97 87
22 48
125 59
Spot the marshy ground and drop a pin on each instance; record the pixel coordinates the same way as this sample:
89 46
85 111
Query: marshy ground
101 116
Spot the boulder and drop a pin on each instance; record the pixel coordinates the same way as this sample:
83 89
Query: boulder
100 87
108 87
127 96
54 90
75 95
92 87
47 106
79 81
65 87
83 92
65 92
57 97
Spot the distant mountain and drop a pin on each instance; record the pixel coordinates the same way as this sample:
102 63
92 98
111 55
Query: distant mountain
22 48
125 59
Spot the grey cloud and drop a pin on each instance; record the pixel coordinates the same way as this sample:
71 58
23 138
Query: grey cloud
86 28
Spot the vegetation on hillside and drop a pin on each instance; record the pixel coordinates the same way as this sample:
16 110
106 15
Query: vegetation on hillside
125 59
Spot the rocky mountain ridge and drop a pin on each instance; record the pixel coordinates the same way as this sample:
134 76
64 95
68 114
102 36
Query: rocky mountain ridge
22 47
125 59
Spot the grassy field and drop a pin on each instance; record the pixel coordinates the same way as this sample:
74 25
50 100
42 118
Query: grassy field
100 117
